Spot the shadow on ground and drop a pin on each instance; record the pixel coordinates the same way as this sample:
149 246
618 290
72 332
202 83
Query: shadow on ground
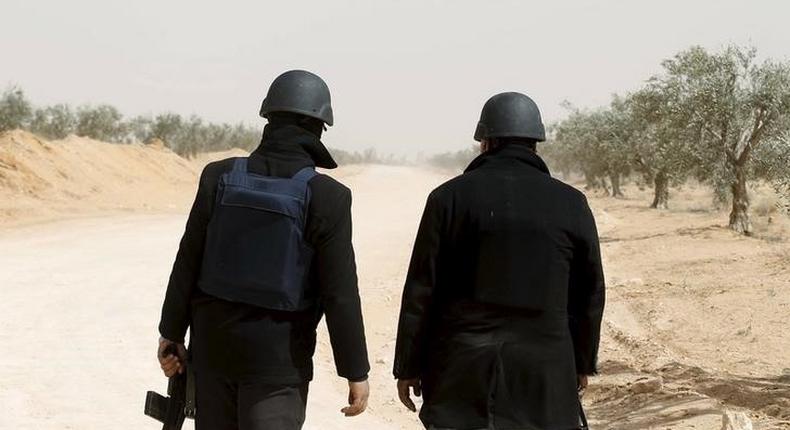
678 396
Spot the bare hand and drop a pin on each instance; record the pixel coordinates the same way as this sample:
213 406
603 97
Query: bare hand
581 383
171 364
358 393
403 392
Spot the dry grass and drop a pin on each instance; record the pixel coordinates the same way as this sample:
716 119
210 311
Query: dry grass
766 203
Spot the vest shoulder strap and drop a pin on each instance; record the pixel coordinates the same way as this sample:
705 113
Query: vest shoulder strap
240 164
305 175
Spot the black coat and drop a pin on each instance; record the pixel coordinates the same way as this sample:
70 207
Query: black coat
504 297
243 342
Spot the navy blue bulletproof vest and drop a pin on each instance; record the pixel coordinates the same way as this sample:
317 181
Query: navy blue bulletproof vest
255 251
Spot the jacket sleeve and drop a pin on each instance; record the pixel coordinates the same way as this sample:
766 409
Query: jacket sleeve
586 293
186 269
418 294
337 279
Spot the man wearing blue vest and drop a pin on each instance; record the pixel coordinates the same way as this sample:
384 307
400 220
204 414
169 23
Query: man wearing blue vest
266 253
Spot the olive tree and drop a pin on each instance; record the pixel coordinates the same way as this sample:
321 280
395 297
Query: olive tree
15 109
103 122
599 144
54 122
664 143
244 137
193 136
167 127
772 163
737 104
572 142
189 136
557 155
618 134
138 129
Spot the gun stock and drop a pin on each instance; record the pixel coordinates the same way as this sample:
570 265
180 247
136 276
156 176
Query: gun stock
170 411
156 406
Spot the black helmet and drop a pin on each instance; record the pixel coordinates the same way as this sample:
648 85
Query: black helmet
510 115
301 92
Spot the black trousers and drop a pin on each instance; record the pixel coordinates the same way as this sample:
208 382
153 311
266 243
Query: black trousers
223 404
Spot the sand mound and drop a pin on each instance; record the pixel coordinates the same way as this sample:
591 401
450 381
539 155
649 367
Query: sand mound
41 179
207 157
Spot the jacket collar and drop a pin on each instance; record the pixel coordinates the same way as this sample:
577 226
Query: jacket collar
291 141
511 152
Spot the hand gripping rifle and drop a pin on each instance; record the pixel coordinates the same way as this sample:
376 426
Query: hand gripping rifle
180 403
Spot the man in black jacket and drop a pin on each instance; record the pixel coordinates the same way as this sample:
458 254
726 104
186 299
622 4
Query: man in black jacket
253 365
501 311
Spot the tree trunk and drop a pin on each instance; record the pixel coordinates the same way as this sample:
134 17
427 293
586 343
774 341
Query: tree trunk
589 181
617 192
739 217
661 191
604 185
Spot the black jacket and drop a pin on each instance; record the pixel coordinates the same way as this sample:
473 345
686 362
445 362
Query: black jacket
240 341
504 297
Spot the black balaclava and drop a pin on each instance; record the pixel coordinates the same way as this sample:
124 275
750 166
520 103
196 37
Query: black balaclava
283 119
305 131
498 142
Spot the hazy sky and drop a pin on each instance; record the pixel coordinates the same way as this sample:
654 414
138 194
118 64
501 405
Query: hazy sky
406 76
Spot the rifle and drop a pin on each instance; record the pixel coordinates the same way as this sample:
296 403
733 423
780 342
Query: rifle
582 417
180 403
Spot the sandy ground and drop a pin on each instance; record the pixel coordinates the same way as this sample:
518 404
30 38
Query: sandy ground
82 299
696 321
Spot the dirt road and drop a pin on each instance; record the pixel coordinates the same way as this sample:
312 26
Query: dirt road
81 300
695 324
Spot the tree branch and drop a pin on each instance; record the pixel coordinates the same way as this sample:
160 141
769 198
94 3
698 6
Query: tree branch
706 127
749 141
